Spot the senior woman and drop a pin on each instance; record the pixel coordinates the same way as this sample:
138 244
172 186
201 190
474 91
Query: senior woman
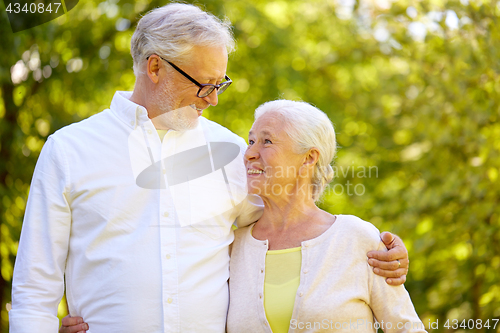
299 262
300 268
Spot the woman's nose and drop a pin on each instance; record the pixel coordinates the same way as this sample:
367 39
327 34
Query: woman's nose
251 153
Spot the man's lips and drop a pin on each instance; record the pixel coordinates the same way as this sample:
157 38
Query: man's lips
200 111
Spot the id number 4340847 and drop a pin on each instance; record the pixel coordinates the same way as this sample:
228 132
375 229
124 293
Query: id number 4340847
33 8
471 324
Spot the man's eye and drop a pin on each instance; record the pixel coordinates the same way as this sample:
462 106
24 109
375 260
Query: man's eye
267 141
250 142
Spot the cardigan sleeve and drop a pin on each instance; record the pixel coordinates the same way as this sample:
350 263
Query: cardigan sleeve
392 306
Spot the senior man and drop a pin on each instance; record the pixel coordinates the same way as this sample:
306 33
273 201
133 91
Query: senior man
131 209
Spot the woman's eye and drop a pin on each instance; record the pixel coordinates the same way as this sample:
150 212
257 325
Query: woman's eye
267 141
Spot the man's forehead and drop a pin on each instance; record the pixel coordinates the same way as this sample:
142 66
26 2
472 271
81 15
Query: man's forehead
209 61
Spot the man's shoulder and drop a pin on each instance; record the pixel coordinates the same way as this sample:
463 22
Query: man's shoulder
84 127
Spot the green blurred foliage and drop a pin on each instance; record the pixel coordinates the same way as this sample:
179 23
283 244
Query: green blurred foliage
411 86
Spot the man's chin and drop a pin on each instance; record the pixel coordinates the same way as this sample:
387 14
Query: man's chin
191 125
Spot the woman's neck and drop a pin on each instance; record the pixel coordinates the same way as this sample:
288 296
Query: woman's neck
286 222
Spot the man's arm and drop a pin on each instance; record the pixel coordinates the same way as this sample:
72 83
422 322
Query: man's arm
392 264
73 325
38 281
250 210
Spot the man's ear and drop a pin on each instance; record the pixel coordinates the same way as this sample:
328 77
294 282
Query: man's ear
153 68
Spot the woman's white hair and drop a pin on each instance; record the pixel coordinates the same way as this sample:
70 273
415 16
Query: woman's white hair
307 127
173 30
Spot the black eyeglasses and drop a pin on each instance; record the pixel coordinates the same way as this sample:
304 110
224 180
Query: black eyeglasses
205 88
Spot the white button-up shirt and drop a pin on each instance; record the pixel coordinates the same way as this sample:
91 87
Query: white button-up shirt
134 251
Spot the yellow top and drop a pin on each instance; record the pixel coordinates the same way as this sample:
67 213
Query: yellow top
162 133
280 286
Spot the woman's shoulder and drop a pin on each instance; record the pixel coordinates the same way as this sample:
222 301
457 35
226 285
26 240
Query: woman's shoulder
358 229
242 241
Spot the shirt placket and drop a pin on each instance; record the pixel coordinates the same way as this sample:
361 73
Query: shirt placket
166 230
169 245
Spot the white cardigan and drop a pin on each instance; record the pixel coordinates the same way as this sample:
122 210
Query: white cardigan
338 290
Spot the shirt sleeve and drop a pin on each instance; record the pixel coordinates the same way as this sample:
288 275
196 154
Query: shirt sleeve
38 281
392 306
251 210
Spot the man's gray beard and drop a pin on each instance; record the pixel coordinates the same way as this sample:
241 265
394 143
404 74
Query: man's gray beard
179 122
174 119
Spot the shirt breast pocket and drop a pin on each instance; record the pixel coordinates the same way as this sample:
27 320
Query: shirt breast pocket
206 204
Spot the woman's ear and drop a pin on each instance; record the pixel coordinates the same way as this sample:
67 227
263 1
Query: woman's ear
153 68
311 157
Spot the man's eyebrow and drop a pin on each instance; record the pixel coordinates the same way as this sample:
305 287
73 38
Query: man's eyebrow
213 78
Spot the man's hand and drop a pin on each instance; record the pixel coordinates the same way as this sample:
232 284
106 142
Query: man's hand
73 325
392 264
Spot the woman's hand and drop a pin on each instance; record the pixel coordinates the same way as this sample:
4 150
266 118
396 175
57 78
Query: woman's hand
73 325
392 264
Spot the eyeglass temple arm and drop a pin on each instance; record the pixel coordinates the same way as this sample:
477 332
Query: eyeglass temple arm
184 73
190 78
181 71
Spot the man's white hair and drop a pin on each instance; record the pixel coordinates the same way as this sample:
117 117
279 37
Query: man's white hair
173 30
307 127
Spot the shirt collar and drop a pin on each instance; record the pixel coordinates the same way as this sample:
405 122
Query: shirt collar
131 113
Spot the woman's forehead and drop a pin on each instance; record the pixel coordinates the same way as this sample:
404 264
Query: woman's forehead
268 120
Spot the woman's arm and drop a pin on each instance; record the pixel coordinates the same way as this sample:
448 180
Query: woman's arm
392 306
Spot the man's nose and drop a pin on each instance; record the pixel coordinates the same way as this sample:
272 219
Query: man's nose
212 99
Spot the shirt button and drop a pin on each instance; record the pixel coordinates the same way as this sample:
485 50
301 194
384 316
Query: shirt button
164 171
300 294
169 301
306 244
168 256
260 295
165 214
265 323
262 271
305 271
149 131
